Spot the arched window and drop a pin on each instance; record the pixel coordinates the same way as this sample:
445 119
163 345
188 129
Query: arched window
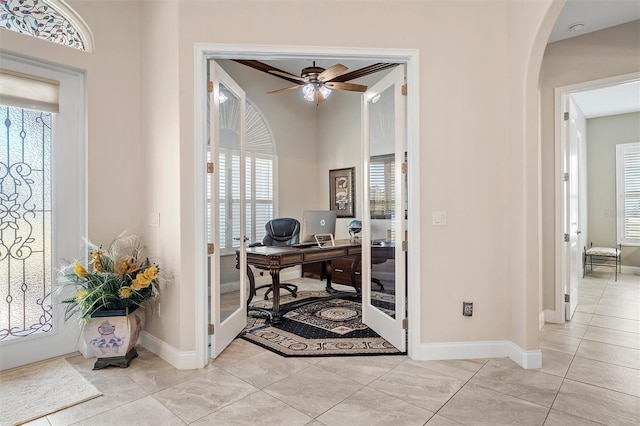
51 20
260 166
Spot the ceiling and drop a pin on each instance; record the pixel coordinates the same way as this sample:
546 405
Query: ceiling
596 15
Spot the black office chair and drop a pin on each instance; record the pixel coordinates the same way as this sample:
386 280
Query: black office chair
282 231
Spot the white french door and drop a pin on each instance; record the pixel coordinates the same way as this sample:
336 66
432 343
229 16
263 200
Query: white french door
227 209
385 206
572 209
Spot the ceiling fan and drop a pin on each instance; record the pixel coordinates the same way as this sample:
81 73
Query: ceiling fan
316 82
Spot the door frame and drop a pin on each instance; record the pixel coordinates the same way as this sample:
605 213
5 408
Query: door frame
203 52
561 94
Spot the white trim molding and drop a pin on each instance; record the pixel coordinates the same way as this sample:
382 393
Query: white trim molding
182 360
203 52
481 349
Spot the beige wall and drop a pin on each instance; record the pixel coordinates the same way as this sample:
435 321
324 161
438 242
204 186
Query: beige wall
606 53
603 134
464 98
115 189
478 137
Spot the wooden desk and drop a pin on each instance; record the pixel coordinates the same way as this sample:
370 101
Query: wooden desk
275 259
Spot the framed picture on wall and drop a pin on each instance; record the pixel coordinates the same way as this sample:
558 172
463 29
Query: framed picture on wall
342 192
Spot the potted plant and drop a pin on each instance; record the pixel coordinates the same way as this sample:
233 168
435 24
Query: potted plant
110 292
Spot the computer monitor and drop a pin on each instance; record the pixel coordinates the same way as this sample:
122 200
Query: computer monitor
317 222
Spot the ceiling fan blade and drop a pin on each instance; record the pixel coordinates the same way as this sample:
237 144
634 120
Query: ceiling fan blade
297 86
318 97
331 73
261 66
364 71
352 87
286 74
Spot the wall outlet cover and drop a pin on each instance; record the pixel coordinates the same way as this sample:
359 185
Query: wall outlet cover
467 309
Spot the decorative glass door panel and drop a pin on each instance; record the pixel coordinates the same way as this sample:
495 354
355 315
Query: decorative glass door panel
25 222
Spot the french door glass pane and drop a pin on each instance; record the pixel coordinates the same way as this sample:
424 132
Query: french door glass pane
382 194
229 190
25 222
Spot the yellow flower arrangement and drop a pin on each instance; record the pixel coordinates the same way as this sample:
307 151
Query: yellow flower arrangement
119 278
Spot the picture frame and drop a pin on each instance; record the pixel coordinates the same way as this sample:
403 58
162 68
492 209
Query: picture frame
342 191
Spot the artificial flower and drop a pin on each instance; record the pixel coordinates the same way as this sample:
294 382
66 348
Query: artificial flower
79 270
117 278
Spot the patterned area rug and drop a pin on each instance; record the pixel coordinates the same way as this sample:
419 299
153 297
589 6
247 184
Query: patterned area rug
30 392
325 326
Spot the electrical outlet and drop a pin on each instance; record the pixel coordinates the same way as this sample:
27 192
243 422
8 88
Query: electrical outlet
467 309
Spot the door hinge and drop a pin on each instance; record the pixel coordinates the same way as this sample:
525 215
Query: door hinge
405 168
566 238
566 116
405 323
209 86
404 90
566 177
210 248
405 245
567 298
209 167
211 329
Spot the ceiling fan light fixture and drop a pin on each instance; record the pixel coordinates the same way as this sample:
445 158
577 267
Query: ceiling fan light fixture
325 91
309 91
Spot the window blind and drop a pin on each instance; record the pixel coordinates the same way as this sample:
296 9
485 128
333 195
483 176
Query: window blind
628 192
29 92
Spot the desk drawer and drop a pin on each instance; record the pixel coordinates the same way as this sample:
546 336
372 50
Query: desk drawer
341 273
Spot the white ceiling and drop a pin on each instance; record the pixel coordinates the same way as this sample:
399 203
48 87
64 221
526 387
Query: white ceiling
594 15
612 100
597 15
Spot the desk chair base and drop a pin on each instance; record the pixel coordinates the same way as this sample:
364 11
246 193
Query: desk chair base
291 288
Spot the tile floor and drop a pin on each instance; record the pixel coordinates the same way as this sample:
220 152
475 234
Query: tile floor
590 375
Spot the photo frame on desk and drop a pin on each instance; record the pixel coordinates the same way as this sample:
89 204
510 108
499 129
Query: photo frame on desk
342 191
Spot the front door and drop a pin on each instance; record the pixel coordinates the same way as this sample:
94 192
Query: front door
42 207
385 206
226 215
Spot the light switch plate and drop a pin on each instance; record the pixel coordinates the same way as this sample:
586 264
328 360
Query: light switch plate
439 218
154 220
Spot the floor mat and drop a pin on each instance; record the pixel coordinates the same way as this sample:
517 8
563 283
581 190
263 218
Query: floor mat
323 327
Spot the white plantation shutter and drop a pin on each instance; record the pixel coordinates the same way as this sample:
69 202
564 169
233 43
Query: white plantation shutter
628 193
259 181
382 190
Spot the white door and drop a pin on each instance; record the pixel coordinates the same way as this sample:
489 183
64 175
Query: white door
43 219
385 208
227 220
572 211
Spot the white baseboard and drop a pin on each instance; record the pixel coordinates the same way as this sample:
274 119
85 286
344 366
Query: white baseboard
182 360
634 270
552 316
480 349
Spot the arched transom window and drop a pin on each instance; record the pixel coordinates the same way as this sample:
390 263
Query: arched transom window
51 20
